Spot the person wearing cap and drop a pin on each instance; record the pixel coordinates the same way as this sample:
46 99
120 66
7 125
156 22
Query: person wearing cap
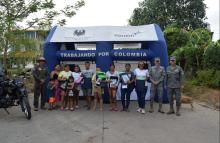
157 75
40 74
174 81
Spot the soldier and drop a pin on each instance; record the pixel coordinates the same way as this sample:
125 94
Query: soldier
157 75
174 79
40 74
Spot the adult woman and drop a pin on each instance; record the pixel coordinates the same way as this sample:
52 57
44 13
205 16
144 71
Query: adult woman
141 77
63 77
127 86
113 79
54 75
77 75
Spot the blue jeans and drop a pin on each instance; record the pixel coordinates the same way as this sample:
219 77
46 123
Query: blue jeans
141 97
125 93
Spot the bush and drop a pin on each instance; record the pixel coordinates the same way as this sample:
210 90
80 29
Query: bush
212 56
209 77
14 72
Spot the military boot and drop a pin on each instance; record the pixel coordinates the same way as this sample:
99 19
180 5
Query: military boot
171 111
160 109
178 111
151 108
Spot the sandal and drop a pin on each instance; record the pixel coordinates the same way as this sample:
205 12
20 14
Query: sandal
116 109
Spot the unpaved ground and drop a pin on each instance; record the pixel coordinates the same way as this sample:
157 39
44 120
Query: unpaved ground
205 96
82 126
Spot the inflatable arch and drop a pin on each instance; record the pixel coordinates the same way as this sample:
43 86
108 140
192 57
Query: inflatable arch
150 37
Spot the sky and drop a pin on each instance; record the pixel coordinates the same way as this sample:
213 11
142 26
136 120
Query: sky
117 13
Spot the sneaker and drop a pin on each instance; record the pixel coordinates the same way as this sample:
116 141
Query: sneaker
35 109
111 109
139 110
143 111
170 112
77 107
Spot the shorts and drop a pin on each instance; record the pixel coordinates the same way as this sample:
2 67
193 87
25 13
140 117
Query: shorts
87 92
98 90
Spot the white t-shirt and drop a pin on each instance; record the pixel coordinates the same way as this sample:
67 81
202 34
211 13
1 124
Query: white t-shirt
77 77
141 74
113 77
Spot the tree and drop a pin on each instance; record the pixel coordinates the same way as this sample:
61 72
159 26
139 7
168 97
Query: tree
182 13
176 38
211 56
191 56
13 12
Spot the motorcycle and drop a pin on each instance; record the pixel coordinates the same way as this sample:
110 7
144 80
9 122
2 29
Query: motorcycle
13 93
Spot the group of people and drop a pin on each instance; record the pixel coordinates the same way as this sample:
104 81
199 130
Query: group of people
64 86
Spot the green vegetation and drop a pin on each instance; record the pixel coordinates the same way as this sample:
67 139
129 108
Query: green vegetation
15 12
187 14
186 35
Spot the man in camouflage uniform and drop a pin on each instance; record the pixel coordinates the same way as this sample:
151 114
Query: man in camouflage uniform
174 79
157 75
40 74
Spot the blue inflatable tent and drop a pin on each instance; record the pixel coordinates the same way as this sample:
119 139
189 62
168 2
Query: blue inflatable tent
150 37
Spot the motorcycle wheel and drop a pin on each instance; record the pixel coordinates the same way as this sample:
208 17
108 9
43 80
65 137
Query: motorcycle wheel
26 107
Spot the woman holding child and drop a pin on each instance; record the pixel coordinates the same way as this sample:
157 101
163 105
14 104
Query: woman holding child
63 78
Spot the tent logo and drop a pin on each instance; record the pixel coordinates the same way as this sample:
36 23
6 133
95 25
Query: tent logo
128 35
80 32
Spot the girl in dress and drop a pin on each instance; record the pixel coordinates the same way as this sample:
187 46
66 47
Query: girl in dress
70 94
77 75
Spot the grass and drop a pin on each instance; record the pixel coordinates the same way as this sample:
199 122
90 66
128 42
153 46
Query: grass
209 96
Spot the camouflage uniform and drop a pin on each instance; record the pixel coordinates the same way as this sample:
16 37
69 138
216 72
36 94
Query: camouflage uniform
174 79
157 74
40 74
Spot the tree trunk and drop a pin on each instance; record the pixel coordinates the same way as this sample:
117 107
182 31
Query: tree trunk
197 61
5 55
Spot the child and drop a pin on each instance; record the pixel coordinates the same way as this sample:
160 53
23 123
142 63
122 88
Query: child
51 87
98 81
56 90
77 75
70 96
113 80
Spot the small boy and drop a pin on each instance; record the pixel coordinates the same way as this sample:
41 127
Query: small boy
98 80
51 87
